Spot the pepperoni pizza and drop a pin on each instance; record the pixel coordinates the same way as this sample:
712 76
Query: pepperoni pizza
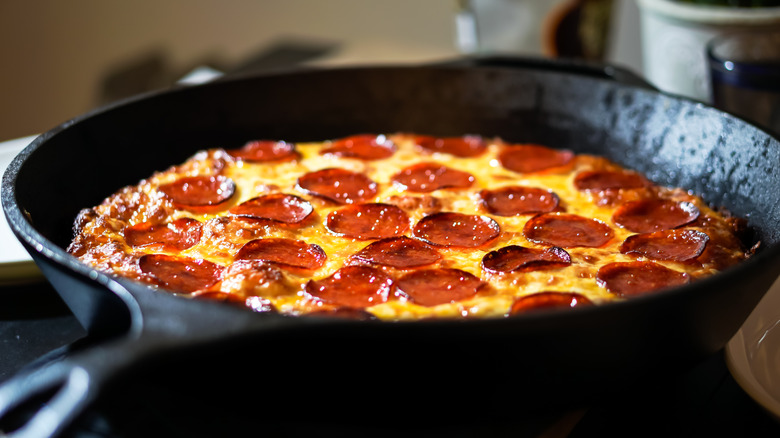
404 226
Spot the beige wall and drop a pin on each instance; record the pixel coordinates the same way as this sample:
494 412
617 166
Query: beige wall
55 53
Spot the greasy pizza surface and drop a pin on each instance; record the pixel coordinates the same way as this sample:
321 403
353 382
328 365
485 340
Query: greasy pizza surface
405 226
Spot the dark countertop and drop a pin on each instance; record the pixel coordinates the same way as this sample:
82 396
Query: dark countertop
702 401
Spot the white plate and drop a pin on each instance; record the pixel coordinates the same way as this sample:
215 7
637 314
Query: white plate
16 266
753 354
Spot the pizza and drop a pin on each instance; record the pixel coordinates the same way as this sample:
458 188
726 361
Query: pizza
405 226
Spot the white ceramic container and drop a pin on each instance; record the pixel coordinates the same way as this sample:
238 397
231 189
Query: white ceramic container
674 36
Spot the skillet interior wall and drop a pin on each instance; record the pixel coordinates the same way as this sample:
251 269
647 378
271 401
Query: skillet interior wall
674 141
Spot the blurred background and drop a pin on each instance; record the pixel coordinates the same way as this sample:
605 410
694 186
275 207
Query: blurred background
60 59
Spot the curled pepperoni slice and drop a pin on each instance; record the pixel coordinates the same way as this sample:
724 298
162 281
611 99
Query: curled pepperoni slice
200 193
180 274
431 287
363 147
265 150
674 245
399 252
626 279
518 200
465 147
457 229
598 180
529 158
339 185
516 258
352 286
646 216
368 221
548 301
277 207
283 252
567 230
427 177
178 235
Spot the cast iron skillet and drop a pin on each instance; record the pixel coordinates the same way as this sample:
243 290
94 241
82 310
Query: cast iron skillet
540 361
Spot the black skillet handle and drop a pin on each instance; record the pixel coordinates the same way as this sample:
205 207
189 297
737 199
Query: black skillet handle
561 65
164 324
61 390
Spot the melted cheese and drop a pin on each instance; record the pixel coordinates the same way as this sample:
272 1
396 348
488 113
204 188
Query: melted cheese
254 179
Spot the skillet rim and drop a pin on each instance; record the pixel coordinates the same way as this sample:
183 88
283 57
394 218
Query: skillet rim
35 241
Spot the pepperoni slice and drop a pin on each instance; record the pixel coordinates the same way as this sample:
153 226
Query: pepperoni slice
399 252
567 230
465 147
427 177
518 200
277 207
674 245
598 180
649 215
529 158
352 286
180 274
265 150
626 279
368 221
548 301
284 252
516 258
200 193
363 147
431 287
339 185
178 235
457 229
